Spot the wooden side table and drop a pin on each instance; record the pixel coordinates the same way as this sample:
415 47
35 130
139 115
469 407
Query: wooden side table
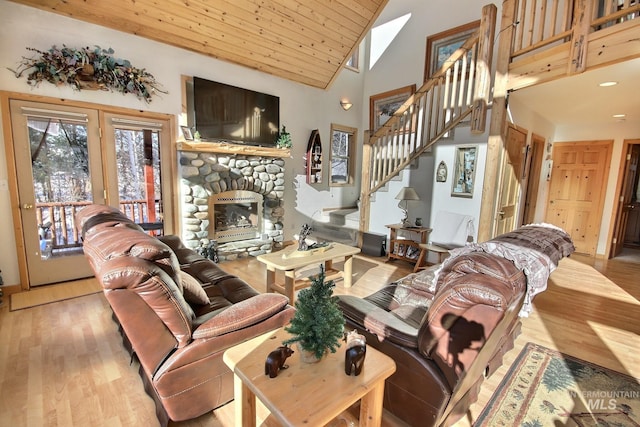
407 249
305 394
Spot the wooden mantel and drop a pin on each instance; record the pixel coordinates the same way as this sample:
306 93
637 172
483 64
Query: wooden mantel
227 148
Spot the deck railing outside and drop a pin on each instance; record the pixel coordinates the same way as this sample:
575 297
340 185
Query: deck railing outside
56 220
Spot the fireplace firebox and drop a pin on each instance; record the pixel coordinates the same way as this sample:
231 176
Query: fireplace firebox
235 215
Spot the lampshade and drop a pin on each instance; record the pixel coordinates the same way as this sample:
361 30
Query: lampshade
407 193
345 104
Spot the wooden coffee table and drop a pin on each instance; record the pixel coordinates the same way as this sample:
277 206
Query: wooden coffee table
305 394
290 259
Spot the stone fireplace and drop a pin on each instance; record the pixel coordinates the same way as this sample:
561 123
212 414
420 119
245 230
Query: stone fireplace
235 199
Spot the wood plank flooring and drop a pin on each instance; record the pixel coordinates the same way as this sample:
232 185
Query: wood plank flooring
62 364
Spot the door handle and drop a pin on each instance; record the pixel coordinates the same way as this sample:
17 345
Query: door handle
501 213
27 206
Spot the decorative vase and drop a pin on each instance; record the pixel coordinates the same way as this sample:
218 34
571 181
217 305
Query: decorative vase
419 222
307 356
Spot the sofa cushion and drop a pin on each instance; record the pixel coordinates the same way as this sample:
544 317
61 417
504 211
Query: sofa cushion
241 315
192 289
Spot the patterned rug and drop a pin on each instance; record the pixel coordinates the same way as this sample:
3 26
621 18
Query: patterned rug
545 388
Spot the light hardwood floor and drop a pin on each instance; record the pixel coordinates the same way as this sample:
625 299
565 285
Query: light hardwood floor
63 364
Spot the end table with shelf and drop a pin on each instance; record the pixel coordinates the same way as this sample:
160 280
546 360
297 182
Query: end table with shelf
406 247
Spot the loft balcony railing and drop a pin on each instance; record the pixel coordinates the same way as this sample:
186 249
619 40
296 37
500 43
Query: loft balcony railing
553 39
541 24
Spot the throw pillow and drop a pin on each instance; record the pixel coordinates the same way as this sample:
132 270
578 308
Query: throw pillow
192 289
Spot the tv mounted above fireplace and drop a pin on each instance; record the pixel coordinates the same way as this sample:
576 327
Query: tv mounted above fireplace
223 112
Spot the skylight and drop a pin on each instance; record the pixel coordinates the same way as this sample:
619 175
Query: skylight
382 36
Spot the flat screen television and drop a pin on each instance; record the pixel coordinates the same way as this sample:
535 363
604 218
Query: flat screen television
228 113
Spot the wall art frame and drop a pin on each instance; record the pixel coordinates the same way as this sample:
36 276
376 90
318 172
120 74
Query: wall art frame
383 105
464 171
186 133
442 45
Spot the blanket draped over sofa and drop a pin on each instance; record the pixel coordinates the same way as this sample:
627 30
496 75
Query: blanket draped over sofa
535 249
177 311
447 327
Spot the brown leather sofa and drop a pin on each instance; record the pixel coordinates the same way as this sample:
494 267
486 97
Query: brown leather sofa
447 327
178 312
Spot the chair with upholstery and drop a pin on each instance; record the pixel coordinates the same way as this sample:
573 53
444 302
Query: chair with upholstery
449 231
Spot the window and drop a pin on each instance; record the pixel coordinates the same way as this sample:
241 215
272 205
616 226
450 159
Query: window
343 140
353 63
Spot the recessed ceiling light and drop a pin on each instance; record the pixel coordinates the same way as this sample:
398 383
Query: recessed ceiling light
607 84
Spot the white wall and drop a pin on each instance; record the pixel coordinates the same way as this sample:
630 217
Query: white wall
302 108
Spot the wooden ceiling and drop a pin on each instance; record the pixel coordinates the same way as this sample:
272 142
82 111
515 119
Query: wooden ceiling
306 41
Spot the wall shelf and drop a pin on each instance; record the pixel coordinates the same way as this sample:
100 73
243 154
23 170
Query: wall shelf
314 159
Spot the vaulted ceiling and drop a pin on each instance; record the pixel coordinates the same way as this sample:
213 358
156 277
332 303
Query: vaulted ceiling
306 41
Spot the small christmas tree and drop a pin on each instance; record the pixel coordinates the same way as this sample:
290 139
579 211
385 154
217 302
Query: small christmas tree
284 139
318 323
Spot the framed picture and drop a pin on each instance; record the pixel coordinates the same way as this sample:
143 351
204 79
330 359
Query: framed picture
442 45
186 132
464 172
383 105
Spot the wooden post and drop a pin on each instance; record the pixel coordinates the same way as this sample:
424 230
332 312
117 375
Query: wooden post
579 35
497 129
483 68
365 186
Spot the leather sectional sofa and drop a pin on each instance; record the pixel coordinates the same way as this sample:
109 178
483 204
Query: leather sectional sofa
177 311
447 327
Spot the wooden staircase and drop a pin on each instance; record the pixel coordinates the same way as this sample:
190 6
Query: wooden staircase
458 91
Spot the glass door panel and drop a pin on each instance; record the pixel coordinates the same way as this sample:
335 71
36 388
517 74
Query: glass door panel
135 147
139 191
59 172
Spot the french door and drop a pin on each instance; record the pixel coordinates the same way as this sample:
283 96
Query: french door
59 170
64 162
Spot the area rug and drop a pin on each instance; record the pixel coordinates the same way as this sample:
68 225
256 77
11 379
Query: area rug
54 293
544 387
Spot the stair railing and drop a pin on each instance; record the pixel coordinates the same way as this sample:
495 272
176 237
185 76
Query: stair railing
459 90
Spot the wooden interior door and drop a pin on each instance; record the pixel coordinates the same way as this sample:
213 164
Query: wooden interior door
626 205
511 188
577 190
536 154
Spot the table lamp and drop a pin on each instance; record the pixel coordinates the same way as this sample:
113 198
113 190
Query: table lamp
406 194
